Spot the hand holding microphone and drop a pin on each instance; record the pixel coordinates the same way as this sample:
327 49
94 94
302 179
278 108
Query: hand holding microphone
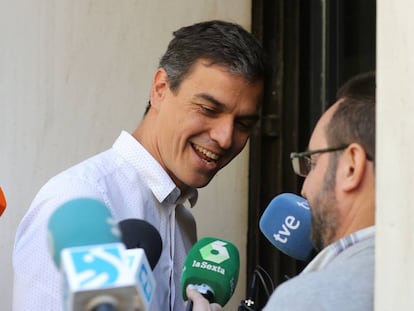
199 302
212 268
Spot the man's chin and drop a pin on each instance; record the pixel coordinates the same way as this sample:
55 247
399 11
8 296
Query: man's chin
193 183
200 182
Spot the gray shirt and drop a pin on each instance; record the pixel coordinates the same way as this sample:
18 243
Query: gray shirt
340 278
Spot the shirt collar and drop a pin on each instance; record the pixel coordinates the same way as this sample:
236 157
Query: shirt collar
160 183
175 197
333 250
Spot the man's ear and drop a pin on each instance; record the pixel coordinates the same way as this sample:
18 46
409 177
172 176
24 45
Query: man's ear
352 167
159 88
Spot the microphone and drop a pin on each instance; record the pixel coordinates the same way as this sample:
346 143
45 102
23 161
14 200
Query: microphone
137 233
142 272
142 240
98 274
211 267
286 223
3 202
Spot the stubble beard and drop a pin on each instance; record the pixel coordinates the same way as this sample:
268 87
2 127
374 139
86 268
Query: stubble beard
325 215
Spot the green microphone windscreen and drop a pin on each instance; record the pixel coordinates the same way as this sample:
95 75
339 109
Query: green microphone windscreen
213 263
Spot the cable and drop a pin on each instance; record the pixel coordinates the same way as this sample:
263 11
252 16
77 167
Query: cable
248 304
261 271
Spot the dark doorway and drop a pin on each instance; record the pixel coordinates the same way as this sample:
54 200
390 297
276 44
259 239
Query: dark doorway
314 46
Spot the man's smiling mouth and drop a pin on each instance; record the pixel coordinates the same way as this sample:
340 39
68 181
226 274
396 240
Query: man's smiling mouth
205 154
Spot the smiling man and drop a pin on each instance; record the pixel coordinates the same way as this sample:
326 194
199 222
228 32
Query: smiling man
204 100
197 129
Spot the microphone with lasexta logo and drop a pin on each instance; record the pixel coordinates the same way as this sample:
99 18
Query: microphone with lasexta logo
212 268
98 274
286 223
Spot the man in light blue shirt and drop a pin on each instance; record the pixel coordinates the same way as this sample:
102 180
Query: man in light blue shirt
204 101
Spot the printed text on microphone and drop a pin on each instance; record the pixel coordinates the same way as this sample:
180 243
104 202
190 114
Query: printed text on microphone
290 224
205 265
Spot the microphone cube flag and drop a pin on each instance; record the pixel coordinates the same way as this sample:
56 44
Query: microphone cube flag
98 274
144 278
212 263
97 270
286 223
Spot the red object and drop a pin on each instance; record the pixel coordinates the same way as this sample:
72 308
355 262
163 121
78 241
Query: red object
3 203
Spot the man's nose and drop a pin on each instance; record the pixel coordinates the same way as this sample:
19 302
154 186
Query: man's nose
223 131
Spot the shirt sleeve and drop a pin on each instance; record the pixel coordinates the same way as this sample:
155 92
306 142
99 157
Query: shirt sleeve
37 281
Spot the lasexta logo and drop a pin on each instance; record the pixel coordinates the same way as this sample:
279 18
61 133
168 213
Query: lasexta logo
215 252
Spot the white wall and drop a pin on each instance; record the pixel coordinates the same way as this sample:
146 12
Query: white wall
73 74
395 151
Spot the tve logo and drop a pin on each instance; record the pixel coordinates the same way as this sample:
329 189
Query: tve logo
290 223
286 223
303 203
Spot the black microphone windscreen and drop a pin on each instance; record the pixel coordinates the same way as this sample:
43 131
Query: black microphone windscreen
138 233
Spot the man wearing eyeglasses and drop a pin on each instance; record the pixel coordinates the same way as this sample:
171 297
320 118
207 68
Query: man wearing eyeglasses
339 171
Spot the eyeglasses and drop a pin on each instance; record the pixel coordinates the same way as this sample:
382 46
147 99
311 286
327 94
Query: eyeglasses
302 162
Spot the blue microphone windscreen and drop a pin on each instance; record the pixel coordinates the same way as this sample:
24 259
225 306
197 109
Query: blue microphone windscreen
286 223
81 222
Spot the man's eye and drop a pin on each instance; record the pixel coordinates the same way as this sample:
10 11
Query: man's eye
245 125
207 110
312 164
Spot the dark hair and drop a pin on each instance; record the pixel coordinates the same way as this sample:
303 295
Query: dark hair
220 43
354 119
